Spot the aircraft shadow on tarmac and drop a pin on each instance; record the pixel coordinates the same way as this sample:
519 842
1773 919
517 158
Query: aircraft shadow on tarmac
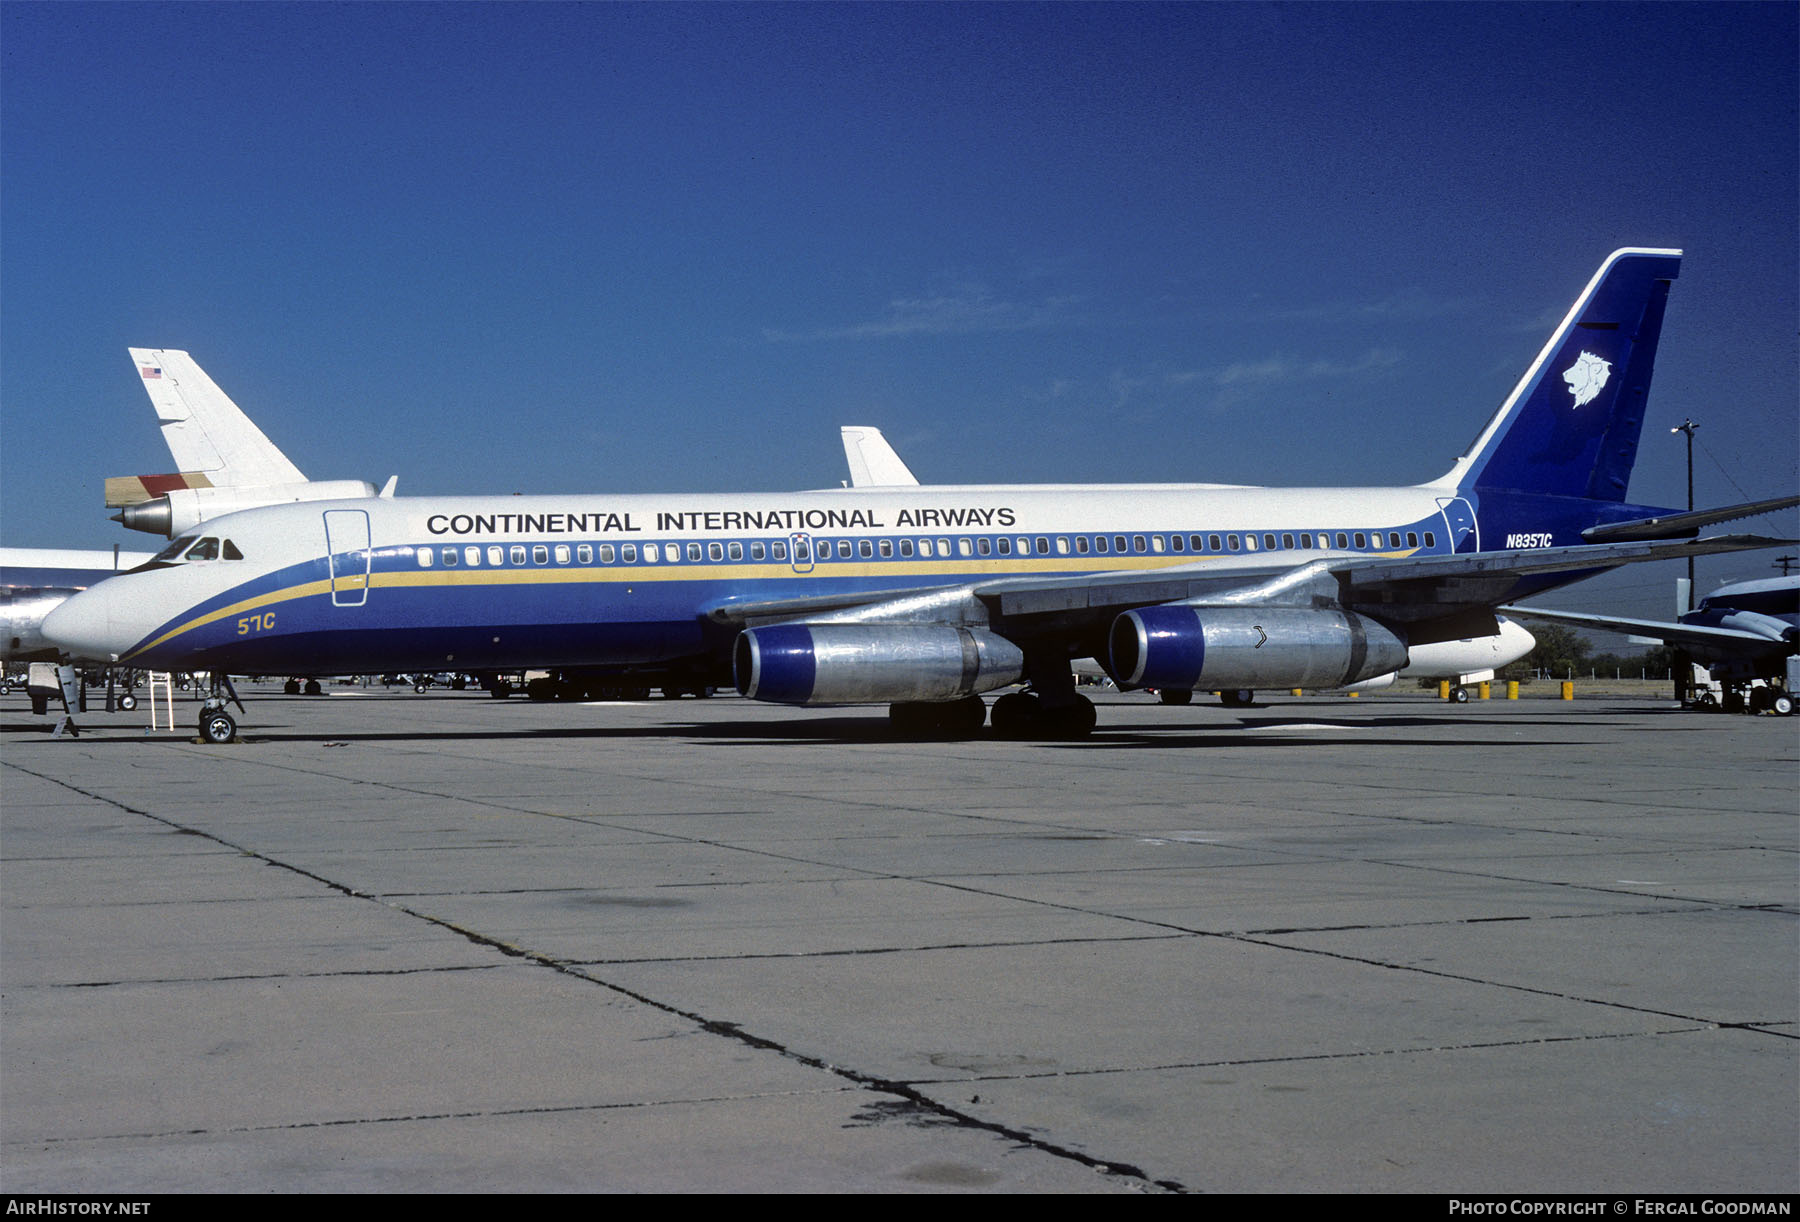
870 727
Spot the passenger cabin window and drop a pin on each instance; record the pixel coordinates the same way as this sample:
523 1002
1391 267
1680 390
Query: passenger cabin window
1249 543
1287 541
906 548
540 554
1342 539
426 556
1231 543
759 550
585 553
562 553
496 555
983 546
1212 542
606 553
629 553
715 551
843 549
1100 543
449 557
518 553
865 548
1430 539
735 551
1412 538
694 552
472 554
1360 541
779 551
1175 543
963 548
1081 544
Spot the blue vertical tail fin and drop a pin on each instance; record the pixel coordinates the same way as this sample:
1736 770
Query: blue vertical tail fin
1570 427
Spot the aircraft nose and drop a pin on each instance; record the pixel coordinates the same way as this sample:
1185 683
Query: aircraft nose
83 626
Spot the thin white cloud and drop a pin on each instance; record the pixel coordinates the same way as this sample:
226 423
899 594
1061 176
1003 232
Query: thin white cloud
962 309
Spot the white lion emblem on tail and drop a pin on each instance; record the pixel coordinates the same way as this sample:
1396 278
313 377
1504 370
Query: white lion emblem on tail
1587 377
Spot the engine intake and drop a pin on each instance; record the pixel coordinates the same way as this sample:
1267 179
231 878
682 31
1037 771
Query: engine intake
816 664
1180 646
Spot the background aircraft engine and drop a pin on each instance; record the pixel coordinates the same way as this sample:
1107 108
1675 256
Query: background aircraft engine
22 613
1179 646
182 509
872 663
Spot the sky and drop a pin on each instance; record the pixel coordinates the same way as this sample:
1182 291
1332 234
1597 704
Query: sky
670 247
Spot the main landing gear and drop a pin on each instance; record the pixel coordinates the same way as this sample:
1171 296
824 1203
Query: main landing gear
1025 715
1050 709
1016 715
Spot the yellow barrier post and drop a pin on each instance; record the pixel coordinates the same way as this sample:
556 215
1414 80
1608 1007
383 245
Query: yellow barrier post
1443 689
1512 689
1568 690
1485 691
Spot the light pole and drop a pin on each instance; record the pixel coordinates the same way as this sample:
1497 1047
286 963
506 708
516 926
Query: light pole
1688 427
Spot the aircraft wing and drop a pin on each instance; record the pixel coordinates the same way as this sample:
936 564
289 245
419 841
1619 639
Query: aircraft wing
1436 597
1675 525
1669 632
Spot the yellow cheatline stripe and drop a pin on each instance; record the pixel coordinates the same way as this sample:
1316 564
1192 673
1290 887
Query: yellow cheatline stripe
238 608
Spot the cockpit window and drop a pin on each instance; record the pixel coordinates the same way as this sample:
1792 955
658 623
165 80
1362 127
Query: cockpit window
231 551
168 554
206 549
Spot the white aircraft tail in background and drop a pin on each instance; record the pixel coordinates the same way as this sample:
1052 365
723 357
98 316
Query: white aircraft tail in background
873 463
226 463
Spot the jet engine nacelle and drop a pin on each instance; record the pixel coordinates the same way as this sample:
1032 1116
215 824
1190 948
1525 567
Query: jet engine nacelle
1180 646
872 663
180 510
1763 625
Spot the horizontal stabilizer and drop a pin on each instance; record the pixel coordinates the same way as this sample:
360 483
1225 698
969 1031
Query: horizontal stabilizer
1680 525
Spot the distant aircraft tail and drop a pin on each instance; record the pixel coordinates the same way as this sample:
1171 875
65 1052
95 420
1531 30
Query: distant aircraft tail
872 460
205 431
226 462
1570 427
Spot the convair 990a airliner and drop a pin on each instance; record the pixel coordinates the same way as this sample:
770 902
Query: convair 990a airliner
923 598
